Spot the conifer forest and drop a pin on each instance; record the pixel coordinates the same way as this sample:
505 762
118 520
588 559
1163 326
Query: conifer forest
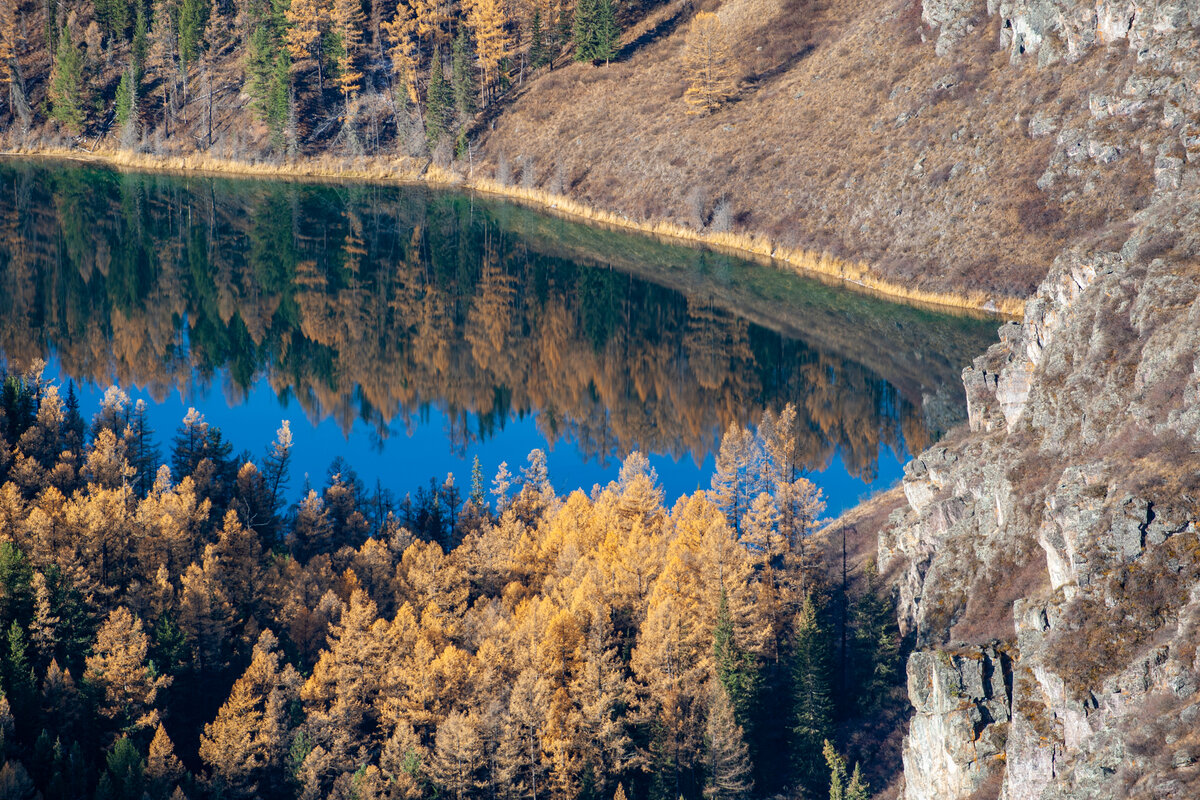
174 628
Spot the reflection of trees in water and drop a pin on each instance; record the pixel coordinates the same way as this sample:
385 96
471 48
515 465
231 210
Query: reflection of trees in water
365 303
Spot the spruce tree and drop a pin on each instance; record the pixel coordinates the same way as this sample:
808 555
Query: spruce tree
462 76
736 670
837 772
193 17
66 84
813 709
607 35
144 455
538 52
875 646
477 495
141 42
857 789
438 101
583 29
126 106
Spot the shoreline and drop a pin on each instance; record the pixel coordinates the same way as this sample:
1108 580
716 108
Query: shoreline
405 171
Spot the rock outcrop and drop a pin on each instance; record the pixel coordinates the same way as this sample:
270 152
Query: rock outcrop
1055 542
1051 558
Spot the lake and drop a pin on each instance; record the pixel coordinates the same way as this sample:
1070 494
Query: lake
409 331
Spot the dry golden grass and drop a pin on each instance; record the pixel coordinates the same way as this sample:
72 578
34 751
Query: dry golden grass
403 170
849 137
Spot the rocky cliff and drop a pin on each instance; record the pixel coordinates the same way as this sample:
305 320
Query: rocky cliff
1049 556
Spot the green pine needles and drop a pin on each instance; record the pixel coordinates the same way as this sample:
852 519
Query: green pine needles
595 31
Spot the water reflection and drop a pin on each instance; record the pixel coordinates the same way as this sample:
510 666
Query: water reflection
371 303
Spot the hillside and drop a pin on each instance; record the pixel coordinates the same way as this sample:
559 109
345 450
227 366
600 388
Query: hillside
953 147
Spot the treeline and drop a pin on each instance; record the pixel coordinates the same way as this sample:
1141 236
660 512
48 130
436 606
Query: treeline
166 74
176 629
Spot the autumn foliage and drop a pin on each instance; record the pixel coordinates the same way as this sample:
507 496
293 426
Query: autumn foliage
199 636
710 64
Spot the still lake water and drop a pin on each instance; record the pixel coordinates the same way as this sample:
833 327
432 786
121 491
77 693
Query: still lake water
409 331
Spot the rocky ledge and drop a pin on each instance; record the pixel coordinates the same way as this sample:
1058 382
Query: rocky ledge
1049 560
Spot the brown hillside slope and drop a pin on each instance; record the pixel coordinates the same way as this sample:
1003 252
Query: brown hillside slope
849 135
956 159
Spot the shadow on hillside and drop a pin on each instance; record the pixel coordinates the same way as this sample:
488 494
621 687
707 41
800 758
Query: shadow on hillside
759 78
660 31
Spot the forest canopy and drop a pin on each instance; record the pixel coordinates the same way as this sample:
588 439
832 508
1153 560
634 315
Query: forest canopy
174 628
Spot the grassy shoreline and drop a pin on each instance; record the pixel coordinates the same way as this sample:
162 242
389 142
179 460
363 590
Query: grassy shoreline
857 274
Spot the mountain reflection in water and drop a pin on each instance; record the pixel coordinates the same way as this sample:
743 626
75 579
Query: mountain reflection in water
372 305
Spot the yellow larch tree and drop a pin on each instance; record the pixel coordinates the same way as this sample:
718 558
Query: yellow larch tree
404 52
488 22
164 770
307 21
8 40
709 64
431 21
248 741
348 23
117 668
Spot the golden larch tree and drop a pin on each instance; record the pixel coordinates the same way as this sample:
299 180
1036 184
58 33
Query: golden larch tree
250 736
709 64
9 34
405 55
489 23
348 23
307 21
117 668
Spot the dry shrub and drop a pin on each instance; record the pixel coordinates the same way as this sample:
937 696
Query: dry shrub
990 788
1108 625
1035 214
1010 575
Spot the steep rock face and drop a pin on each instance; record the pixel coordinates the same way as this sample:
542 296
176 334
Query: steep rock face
1059 536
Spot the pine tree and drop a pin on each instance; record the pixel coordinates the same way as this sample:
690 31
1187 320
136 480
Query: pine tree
813 709
66 84
710 64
